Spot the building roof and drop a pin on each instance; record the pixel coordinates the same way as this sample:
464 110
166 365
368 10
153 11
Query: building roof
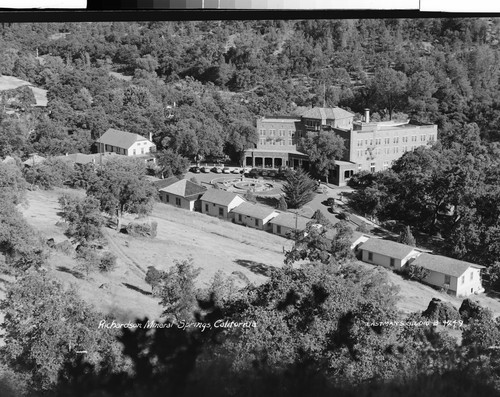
443 264
184 188
387 248
277 150
287 219
219 197
119 138
162 183
254 210
327 113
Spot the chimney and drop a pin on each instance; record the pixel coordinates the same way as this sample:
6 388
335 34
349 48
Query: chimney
151 136
367 115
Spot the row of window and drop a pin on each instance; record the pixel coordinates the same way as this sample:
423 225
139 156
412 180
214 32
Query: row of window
387 141
281 133
177 200
283 142
387 150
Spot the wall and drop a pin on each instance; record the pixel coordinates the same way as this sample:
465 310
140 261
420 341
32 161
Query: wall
138 146
213 209
250 221
474 284
384 153
437 279
286 127
381 260
185 204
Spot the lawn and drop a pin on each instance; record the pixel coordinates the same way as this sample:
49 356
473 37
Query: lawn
213 245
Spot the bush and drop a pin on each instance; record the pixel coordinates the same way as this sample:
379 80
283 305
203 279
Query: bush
363 228
330 202
441 311
88 259
470 310
142 229
417 272
107 262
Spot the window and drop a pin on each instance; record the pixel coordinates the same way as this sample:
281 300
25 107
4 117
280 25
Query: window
348 174
396 139
290 142
168 198
386 164
256 222
278 229
387 140
240 218
422 138
262 132
378 141
262 141
133 152
360 142
371 142
290 132
206 207
271 132
370 256
177 201
372 167
142 150
447 279
414 138
472 275
392 262
387 150
221 211
396 149
462 279
405 139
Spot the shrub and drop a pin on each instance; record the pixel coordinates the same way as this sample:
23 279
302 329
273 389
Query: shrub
88 259
107 262
417 272
441 311
142 229
363 228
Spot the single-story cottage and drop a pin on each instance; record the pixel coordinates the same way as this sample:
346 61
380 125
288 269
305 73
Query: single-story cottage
286 223
125 143
218 202
387 253
183 194
458 277
254 215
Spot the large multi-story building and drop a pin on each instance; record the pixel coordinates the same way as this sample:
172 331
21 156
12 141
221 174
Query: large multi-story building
370 146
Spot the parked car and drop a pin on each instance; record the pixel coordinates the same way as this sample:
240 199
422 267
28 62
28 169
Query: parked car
226 170
253 173
272 174
264 173
217 170
236 170
246 170
196 170
205 169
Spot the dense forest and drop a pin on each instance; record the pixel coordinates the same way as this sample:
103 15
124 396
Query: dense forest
198 88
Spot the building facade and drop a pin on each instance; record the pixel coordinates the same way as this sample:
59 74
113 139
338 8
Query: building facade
125 143
369 146
219 203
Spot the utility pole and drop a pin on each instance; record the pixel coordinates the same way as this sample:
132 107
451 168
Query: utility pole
324 94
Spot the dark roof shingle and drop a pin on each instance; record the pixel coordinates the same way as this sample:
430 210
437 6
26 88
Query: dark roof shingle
287 219
184 188
119 138
219 197
254 210
443 264
387 248
327 113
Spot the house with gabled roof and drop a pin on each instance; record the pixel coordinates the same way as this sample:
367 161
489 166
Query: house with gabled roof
287 223
125 143
387 253
254 215
183 194
219 203
457 277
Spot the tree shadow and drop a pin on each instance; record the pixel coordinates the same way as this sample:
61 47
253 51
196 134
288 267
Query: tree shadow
270 201
74 273
256 267
137 289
